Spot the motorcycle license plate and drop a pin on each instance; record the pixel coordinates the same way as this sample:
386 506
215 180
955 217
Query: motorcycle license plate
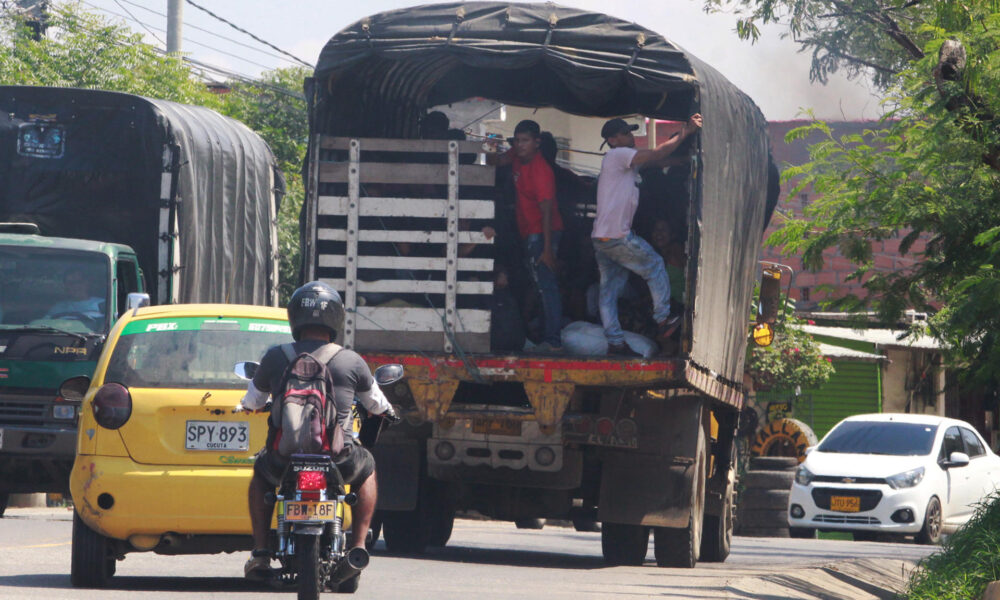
845 503
217 435
310 511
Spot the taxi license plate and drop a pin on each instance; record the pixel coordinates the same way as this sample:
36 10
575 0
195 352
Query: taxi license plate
845 503
310 511
217 435
496 426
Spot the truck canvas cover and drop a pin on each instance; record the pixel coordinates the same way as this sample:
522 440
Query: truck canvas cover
193 192
377 77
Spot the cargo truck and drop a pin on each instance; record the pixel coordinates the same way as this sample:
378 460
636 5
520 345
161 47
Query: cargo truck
640 446
103 195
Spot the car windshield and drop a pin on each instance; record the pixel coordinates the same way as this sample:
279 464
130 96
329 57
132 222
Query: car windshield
191 352
58 289
880 437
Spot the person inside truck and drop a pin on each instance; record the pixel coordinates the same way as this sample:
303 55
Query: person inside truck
79 302
538 222
618 249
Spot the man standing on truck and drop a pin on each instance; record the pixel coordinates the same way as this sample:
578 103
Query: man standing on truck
538 222
618 249
316 314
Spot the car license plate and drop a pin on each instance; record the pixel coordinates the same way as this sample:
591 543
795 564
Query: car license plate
845 503
496 426
217 435
310 511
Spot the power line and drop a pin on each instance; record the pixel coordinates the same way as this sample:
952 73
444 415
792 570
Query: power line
150 31
240 29
212 33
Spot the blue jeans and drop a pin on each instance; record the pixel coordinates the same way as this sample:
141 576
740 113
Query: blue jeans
548 285
615 258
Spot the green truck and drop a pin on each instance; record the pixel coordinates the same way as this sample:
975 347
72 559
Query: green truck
103 195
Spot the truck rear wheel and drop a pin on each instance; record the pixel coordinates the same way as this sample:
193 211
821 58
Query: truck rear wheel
4 498
91 564
682 547
717 534
624 545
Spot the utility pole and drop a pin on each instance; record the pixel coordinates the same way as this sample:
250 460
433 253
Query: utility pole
34 13
175 21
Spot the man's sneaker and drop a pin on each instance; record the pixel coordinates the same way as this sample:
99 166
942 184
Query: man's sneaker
668 326
258 568
622 350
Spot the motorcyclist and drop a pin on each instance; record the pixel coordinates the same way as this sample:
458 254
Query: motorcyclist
316 314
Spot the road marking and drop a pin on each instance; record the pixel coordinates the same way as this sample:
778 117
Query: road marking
35 546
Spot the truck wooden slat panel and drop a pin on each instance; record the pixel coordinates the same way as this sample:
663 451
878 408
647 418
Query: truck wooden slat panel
403 173
413 286
400 145
406 319
407 262
375 206
417 237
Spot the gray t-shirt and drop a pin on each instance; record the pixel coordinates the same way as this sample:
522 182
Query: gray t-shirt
617 194
350 373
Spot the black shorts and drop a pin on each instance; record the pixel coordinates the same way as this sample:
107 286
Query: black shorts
355 463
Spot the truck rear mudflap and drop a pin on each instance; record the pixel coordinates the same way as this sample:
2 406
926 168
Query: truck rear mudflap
548 382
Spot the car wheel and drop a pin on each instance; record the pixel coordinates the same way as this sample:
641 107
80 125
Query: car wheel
930 533
91 563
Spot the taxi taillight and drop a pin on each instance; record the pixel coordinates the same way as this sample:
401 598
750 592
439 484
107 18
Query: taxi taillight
311 481
112 405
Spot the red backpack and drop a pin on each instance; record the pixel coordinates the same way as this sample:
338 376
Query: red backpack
304 411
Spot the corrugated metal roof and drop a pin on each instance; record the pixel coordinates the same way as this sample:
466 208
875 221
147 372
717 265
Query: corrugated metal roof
842 353
886 338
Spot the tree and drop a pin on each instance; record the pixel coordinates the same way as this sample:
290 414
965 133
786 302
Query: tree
794 359
930 170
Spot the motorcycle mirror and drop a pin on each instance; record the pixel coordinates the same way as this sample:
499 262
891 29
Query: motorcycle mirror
246 370
74 388
388 374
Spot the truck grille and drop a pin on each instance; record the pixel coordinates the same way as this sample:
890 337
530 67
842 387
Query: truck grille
22 413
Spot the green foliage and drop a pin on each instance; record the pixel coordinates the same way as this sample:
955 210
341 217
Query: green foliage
85 51
793 359
968 561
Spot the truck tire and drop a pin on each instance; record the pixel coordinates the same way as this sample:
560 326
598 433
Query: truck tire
768 480
717 533
802 533
757 499
624 545
765 519
4 498
91 563
784 437
429 524
682 547
404 531
529 523
773 463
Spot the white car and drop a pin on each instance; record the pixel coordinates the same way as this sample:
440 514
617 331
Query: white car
893 473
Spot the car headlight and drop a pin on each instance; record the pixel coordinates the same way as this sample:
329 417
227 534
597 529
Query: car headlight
803 476
907 479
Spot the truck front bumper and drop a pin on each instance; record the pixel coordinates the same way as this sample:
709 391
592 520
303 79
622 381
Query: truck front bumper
36 459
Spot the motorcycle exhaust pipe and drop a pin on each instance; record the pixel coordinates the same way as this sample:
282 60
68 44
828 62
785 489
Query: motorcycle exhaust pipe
349 566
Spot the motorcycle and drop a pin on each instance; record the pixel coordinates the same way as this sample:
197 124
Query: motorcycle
311 505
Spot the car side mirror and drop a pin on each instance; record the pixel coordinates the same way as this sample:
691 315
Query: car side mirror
75 388
389 374
137 300
246 370
957 459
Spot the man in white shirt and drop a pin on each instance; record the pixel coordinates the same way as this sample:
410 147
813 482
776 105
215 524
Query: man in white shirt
618 249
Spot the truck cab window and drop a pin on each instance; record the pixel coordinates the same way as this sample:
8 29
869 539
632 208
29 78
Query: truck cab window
128 282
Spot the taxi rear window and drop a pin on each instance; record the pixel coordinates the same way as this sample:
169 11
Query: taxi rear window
191 352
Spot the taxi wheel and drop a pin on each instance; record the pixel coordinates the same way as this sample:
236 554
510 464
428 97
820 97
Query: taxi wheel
307 555
92 563
931 531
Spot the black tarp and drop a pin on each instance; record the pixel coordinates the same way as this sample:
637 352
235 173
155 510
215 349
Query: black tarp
106 186
377 76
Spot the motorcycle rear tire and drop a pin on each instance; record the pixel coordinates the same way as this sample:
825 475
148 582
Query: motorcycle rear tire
310 582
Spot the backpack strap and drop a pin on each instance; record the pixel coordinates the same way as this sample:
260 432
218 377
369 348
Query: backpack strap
324 354
289 351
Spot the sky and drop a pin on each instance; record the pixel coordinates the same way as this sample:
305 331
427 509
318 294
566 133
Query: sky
772 71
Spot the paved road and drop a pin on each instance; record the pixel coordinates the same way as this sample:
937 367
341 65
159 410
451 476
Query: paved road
483 560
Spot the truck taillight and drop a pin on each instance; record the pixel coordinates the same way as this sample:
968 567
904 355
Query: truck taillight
112 405
311 481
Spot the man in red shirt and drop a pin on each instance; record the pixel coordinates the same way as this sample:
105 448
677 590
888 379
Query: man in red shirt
538 222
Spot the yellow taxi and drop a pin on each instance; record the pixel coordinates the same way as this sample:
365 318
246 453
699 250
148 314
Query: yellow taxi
162 462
